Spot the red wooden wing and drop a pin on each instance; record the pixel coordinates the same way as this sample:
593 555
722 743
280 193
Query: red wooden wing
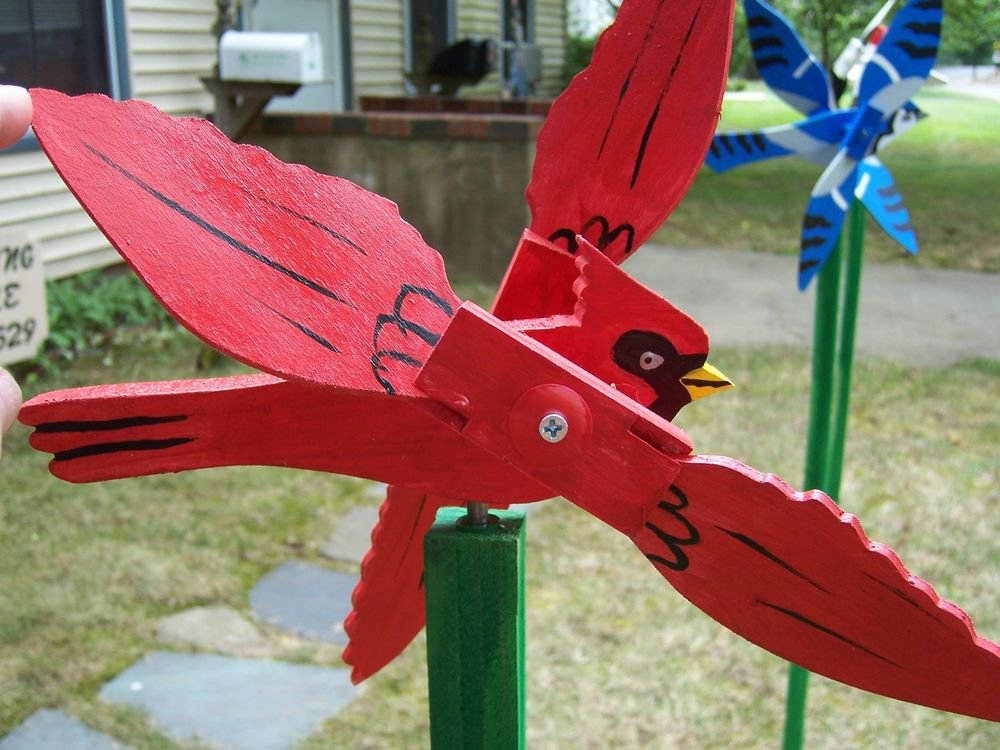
792 573
136 429
389 599
623 143
298 274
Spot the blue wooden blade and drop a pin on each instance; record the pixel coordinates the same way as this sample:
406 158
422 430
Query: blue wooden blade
815 139
876 189
906 53
784 61
825 214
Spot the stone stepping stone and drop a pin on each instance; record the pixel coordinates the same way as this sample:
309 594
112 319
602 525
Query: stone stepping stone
217 628
48 729
351 538
307 600
230 703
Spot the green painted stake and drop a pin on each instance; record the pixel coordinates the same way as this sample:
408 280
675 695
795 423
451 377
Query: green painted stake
834 329
475 631
845 353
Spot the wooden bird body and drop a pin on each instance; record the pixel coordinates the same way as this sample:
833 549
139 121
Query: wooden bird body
845 141
374 368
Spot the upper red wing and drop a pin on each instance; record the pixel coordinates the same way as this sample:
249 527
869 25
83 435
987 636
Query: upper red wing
295 273
623 143
794 574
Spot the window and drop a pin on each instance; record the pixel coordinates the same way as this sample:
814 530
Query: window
58 44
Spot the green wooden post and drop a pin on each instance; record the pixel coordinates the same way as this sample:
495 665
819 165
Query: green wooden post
845 353
475 631
821 409
834 329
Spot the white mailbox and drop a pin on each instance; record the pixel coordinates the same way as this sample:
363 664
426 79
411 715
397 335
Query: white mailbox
278 57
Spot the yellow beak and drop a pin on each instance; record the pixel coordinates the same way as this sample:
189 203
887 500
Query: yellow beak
705 381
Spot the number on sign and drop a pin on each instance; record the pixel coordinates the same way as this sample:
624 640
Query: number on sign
17 334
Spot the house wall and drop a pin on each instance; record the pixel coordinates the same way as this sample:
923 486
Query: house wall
377 47
169 46
550 35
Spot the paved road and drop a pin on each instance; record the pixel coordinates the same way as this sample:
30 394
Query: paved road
983 81
912 314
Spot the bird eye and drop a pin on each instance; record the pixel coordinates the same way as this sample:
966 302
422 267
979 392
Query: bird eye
650 361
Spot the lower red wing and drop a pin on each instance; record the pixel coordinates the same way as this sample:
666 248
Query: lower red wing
389 599
794 574
295 273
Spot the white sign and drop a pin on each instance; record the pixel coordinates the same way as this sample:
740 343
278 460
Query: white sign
24 321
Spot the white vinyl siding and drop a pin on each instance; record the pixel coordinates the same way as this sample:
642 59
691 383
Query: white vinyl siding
33 198
550 35
171 46
377 47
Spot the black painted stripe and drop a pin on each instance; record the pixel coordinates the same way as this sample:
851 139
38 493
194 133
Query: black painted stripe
764 42
695 382
107 425
824 629
904 597
741 139
907 227
125 446
767 62
644 143
378 367
726 141
805 265
894 207
917 52
413 533
664 562
812 242
761 549
714 149
216 232
306 330
628 79
759 141
924 28
811 221
307 219
928 5
758 22
887 192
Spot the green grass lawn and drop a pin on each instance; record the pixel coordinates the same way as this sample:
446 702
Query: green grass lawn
615 657
947 169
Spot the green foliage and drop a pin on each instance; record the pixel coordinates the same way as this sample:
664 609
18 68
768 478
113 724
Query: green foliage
92 311
579 50
970 28
970 32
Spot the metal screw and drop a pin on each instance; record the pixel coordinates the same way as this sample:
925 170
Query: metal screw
553 428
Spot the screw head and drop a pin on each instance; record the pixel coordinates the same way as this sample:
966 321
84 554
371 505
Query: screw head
553 428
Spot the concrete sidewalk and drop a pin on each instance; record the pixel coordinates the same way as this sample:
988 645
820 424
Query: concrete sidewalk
922 316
